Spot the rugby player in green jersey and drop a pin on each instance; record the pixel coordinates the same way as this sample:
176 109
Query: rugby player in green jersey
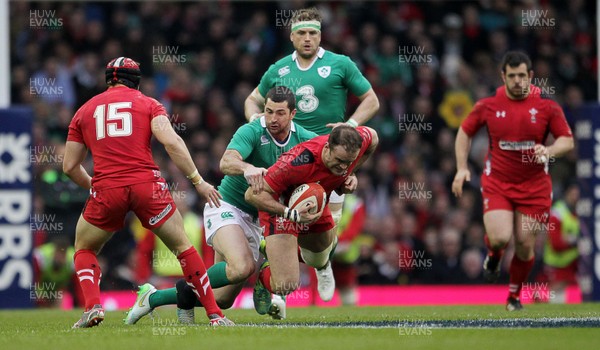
233 229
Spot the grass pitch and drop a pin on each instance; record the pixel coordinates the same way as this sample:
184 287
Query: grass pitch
539 326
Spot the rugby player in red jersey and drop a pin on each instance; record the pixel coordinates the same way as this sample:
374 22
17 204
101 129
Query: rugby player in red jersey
515 184
329 160
116 126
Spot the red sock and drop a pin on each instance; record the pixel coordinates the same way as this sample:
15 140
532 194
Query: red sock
265 277
495 254
89 275
196 277
519 270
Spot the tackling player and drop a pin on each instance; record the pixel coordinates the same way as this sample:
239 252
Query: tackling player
328 160
117 126
321 80
515 184
233 229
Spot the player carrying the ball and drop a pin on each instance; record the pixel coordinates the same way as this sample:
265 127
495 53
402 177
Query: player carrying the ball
233 229
515 184
329 160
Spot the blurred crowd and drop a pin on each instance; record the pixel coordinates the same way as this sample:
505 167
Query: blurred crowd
202 59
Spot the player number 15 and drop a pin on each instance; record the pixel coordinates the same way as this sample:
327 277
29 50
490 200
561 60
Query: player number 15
108 122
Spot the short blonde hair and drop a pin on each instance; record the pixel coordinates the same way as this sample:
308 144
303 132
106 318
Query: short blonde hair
309 14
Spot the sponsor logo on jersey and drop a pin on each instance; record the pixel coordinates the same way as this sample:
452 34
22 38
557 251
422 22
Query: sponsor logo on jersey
264 140
533 112
226 215
155 219
516 145
500 114
324 71
284 71
306 157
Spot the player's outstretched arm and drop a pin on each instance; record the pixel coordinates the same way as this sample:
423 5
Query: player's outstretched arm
462 147
264 201
178 152
75 153
254 105
232 163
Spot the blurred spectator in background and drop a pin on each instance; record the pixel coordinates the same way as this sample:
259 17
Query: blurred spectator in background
561 252
348 248
54 273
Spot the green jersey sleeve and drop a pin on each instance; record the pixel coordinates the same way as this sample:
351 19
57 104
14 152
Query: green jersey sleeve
353 79
245 138
267 81
303 134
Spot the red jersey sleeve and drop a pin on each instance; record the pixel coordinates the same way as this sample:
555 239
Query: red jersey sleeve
156 109
75 133
475 120
367 138
558 123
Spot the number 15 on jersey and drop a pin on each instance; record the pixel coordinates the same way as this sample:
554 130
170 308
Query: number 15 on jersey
107 121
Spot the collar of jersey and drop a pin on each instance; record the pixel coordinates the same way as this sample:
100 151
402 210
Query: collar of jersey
320 54
263 123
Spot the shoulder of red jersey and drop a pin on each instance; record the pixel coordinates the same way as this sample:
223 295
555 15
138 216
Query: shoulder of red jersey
304 153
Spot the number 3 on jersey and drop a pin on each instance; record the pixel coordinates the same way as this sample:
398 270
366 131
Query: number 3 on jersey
309 101
108 123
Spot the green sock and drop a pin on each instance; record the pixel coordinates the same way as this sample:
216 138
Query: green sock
163 297
217 276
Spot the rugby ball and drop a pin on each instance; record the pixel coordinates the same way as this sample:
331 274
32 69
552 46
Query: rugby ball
309 193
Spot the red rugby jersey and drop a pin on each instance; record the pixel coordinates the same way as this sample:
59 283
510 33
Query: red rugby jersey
115 127
303 164
514 128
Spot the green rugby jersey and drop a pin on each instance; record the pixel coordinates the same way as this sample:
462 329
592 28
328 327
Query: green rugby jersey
321 89
259 148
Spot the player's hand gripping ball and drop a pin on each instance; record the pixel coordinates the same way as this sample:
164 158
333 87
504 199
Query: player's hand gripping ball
309 193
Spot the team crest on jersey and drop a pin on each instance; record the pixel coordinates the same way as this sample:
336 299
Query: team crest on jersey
324 71
283 71
533 112
500 114
264 140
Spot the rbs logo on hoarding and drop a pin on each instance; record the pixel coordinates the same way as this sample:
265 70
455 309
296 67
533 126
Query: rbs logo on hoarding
16 274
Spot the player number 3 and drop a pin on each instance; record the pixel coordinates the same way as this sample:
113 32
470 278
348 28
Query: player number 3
108 123
309 101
